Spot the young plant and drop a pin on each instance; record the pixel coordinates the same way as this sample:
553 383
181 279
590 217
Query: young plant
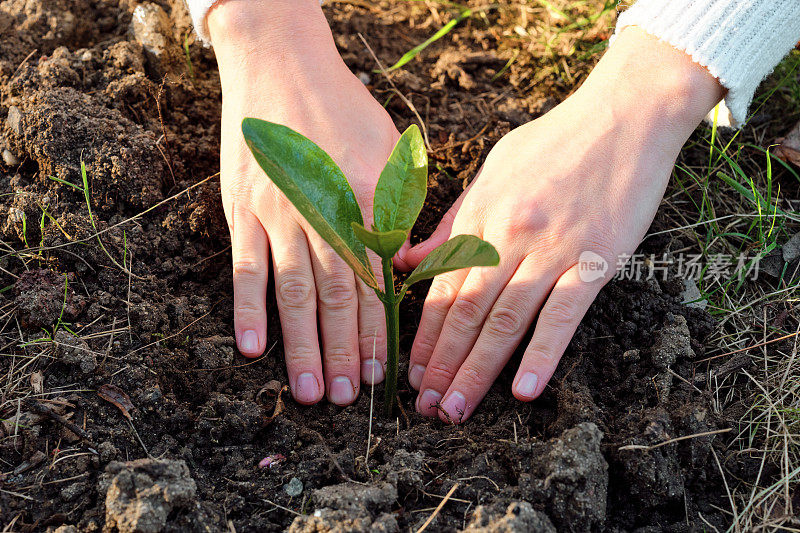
319 190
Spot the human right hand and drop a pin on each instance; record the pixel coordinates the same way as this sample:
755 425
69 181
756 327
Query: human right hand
278 62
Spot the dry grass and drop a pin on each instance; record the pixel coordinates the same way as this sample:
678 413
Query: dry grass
731 196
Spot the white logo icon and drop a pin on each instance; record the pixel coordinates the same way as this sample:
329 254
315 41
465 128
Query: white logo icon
591 267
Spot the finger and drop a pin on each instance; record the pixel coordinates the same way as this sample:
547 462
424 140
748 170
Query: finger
414 255
558 320
504 328
250 251
371 330
461 328
398 261
441 295
297 305
338 320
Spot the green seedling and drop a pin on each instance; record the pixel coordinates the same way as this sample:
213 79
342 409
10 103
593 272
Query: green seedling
317 187
188 55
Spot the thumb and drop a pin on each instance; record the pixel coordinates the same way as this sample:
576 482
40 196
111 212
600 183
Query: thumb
414 255
411 256
399 258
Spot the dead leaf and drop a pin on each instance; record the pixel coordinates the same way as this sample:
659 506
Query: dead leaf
37 382
112 393
278 406
270 390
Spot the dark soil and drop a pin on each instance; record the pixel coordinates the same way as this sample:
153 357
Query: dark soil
77 84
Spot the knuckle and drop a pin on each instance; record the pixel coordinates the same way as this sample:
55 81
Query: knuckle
439 373
600 245
466 311
247 307
237 183
294 290
338 357
441 291
559 312
370 342
540 354
422 348
505 320
337 293
533 221
301 355
249 271
471 376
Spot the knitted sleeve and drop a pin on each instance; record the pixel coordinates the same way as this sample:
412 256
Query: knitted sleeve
739 41
199 9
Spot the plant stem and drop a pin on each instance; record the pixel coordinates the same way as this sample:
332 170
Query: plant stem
391 306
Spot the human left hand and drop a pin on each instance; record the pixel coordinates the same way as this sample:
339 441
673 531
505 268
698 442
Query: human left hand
586 177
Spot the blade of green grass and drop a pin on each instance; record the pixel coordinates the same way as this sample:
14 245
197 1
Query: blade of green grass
63 182
411 54
507 65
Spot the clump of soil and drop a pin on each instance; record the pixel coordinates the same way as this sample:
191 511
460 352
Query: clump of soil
141 494
588 455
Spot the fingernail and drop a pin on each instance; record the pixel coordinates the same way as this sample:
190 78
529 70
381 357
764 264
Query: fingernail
307 389
415 376
427 402
455 405
371 371
249 341
527 385
342 392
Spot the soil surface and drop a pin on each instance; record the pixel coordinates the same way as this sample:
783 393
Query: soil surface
125 405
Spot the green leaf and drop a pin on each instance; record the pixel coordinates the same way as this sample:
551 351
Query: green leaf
314 184
462 251
401 189
383 243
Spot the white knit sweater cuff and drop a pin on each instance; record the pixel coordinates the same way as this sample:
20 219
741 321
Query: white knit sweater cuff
199 9
739 41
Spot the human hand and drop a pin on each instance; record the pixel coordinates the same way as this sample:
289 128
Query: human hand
586 177
278 62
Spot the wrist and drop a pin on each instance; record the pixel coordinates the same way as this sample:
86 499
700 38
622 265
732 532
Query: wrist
645 80
280 38
234 22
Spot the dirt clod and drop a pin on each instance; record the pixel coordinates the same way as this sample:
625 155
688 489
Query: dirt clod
569 476
44 296
73 350
356 498
330 521
141 494
519 517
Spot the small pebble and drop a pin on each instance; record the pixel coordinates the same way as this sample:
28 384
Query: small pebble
294 487
364 77
10 159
